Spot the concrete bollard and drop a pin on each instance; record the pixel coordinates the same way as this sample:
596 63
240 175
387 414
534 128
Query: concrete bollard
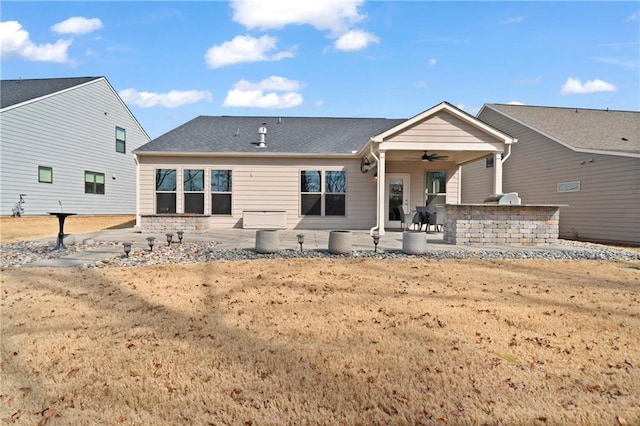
340 242
414 242
267 241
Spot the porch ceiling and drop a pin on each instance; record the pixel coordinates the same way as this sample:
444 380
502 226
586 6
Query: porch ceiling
453 157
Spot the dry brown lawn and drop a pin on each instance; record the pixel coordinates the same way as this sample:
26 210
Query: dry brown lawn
13 229
357 341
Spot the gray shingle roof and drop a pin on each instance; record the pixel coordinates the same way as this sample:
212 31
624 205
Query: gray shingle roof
601 130
13 92
229 134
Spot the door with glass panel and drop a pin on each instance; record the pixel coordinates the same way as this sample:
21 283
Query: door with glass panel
397 196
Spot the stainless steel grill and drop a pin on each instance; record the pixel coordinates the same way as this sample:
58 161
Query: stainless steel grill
502 199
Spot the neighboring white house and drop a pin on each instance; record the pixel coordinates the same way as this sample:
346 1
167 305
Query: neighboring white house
67 141
308 172
584 158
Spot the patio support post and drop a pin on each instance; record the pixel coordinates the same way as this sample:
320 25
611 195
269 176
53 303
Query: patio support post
497 173
381 191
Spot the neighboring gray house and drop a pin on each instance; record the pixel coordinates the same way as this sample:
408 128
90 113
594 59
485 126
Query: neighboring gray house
587 159
309 172
67 141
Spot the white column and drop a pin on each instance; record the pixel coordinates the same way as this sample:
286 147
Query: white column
497 173
381 192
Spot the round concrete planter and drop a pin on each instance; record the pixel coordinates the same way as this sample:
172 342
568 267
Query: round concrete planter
340 242
414 242
267 241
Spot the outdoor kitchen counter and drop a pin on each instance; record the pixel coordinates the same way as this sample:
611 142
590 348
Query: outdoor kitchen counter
502 224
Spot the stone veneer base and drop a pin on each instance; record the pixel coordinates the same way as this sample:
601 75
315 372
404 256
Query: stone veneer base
161 223
510 225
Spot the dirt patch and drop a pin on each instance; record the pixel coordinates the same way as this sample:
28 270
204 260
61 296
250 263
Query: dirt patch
13 229
324 342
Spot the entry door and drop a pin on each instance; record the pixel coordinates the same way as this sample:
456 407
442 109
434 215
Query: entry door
397 195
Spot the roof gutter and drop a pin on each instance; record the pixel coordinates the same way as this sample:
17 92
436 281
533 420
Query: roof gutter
260 154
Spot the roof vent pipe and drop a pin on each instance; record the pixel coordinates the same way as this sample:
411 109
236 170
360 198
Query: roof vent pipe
262 131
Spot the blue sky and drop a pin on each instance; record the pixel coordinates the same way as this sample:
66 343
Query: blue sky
172 61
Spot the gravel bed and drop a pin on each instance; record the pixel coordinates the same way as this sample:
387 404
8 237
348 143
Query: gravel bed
24 253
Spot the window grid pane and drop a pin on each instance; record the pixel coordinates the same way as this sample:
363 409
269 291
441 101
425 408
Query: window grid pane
193 180
93 183
166 180
335 182
165 191
121 139
45 174
221 204
310 181
220 180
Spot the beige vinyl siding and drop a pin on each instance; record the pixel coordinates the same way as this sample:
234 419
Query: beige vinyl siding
70 132
269 184
442 127
477 182
607 208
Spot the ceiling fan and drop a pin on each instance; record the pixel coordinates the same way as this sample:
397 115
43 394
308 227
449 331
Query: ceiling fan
431 157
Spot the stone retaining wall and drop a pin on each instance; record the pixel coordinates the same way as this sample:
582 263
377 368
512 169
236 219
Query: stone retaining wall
192 224
486 224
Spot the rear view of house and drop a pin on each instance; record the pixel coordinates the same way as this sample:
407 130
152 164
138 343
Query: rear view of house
66 143
309 172
586 159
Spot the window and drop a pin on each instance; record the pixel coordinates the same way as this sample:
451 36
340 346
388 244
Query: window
436 185
311 192
45 174
193 185
93 183
335 188
121 140
323 197
221 192
165 191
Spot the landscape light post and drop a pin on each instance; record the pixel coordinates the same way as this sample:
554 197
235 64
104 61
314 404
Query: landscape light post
169 238
376 240
150 241
180 235
127 248
300 240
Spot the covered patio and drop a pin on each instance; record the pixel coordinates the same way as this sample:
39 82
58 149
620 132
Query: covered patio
418 162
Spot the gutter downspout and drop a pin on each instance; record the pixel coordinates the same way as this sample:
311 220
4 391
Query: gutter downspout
377 190
508 152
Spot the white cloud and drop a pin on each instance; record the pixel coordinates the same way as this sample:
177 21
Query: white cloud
15 41
515 103
633 17
77 25
513 20
318 104
433 62
272 83
573 86
336 16
355 40
246 94
245 49
172 99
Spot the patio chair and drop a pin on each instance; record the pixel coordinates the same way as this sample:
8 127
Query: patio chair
401 215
